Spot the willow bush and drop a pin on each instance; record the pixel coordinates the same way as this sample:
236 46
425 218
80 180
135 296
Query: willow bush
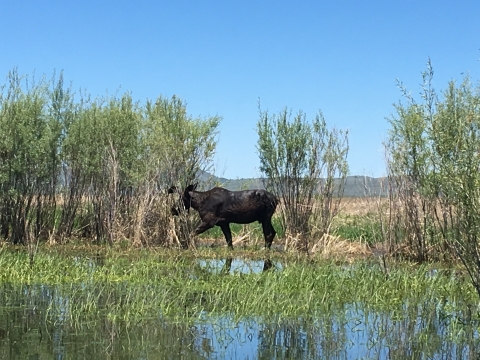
433 162
29 166
177 149
73 166
305 165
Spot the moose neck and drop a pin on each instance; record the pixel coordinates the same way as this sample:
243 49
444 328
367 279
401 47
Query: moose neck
197 198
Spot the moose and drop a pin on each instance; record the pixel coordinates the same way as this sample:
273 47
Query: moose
220 207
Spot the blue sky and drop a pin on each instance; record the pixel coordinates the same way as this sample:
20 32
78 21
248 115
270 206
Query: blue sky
221 57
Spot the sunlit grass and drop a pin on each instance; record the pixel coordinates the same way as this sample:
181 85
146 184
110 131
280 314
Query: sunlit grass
171 284
364 228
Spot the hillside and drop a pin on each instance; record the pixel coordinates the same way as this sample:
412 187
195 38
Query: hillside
356 186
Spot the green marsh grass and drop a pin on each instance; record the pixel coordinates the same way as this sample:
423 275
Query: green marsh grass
365 228
146 284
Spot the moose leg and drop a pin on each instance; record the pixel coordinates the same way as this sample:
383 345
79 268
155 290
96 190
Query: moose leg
227 266
268 232
204 226
228 234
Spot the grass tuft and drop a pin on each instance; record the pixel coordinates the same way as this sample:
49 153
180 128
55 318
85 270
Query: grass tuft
146 284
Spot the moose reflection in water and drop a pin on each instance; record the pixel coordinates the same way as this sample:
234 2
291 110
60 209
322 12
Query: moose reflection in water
220 207
227 266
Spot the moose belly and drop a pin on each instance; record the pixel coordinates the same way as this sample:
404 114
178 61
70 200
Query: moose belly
242 218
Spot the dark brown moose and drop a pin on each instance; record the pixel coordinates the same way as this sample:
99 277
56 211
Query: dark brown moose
221 207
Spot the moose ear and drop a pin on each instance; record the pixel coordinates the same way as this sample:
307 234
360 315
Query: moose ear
191 187
172 189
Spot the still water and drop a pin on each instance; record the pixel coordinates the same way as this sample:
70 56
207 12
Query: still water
36 323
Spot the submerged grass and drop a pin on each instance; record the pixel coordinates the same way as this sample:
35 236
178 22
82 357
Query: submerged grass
142 284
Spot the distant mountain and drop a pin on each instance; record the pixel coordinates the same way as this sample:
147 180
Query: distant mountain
356 186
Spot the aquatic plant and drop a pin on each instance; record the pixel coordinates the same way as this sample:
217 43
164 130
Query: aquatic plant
167 283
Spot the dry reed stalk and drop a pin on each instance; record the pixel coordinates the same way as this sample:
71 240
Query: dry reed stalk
138 225
241 239
294 242
172 236
331 246
144 206
363 206
121 228
51 237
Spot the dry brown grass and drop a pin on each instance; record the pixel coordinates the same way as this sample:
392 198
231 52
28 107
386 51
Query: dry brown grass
362 206
330 246
327 247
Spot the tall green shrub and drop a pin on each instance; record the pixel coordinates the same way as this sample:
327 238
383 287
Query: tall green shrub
433 164
178 148
178 145
95 168
29 166
305 164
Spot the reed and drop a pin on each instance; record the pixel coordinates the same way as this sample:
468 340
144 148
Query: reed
173 285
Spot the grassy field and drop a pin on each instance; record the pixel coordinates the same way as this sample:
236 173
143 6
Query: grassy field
130 300
140 283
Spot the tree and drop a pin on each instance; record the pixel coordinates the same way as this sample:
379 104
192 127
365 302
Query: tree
94 168
433 162
305 164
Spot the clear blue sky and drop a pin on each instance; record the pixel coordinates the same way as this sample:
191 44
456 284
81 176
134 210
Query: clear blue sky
341 57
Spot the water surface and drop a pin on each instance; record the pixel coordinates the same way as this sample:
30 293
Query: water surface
36 323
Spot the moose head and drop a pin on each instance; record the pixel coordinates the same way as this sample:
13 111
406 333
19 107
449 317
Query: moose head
186 197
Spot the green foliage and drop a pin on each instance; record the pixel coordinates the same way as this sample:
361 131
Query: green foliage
181 288
29 165
177 142
359 228
77 166
433 163
300 160
164 301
